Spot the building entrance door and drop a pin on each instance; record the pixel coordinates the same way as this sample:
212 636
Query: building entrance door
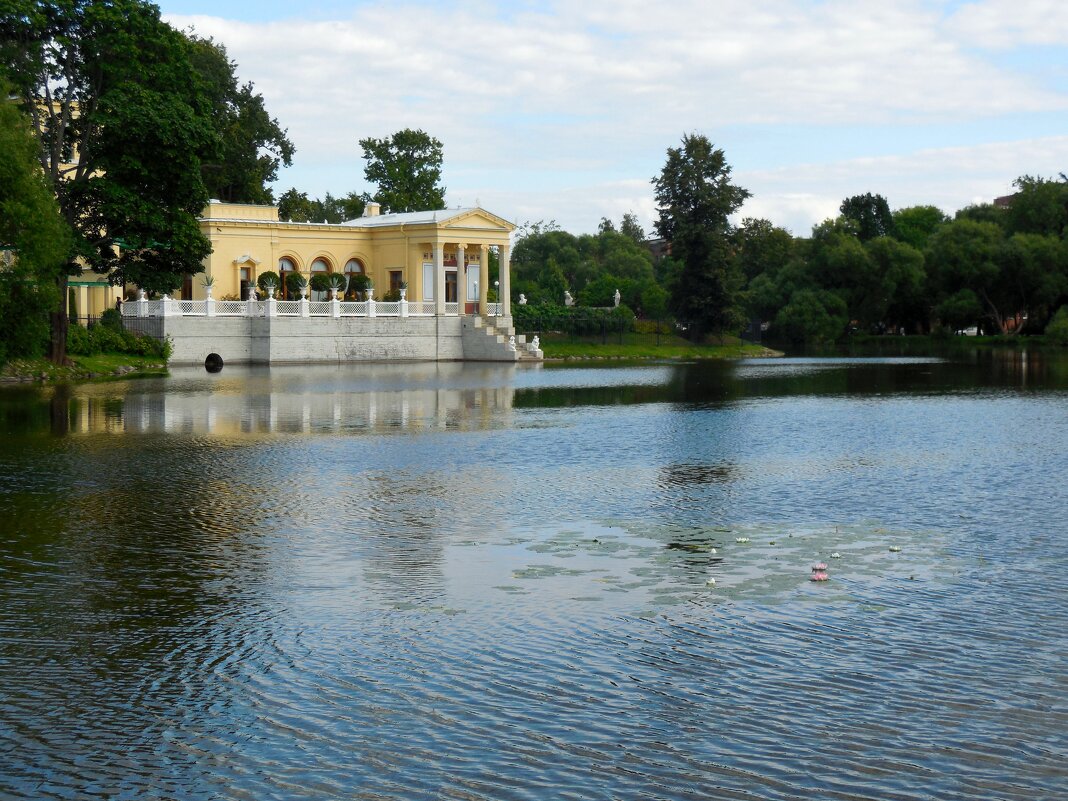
450 286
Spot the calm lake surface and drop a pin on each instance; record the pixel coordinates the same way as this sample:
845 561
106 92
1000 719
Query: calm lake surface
483 582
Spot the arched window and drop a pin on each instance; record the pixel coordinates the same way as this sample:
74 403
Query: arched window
320 266
286 266
353 267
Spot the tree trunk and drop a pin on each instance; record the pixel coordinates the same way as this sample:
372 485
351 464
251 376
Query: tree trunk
57 351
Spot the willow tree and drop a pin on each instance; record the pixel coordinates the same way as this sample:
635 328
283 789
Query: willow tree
122 124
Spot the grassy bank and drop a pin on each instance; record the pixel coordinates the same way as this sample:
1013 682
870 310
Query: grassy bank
642 346
99 366
923 345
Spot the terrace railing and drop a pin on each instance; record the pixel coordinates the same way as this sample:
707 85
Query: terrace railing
168 307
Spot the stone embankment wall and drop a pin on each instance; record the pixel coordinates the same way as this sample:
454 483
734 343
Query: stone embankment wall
281 340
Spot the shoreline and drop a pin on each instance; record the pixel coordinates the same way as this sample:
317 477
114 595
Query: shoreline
83 369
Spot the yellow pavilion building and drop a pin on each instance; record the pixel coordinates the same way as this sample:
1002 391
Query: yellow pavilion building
441 257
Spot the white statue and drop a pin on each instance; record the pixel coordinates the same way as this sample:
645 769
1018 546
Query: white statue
534 344
568 300
522 299
615 298
511 342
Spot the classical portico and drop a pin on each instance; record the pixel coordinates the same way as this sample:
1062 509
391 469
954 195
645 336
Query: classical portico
427 297
441 259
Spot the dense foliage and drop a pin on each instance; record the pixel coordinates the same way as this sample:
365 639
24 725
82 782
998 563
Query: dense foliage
406 168
108 336
123 126
1000 269
296 206
34 240
695 200
546 262
252 145
136 123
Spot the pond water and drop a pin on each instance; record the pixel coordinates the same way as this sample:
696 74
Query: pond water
483 582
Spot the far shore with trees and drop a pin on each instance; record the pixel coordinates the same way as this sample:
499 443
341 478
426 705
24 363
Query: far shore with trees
118 128
994 269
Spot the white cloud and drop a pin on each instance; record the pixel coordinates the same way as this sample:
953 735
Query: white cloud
558 106
1011 23
949 178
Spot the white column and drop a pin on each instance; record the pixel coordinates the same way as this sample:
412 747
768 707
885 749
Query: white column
483 279
461 278
504 256
439 279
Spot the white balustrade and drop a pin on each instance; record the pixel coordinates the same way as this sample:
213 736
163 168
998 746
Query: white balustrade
231 308
193 308
290 308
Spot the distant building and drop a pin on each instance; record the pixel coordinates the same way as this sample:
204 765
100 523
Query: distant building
441 256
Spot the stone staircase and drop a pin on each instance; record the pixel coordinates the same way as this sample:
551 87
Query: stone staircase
487 339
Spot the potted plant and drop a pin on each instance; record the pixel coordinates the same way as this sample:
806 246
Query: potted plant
296 284
320 282
403 290
208 282
337 283
267 277
359 282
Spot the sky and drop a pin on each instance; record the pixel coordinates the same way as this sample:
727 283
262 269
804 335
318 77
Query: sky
565 110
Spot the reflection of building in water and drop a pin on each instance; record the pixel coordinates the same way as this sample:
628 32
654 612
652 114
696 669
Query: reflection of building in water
376 398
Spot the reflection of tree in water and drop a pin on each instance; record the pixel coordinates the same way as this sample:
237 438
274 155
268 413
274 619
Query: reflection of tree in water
685 475
128 601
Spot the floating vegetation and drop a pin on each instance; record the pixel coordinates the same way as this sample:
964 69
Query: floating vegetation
691 547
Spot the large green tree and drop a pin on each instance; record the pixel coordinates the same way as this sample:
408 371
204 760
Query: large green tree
406 168
915 224
252 143
123 125
762 247
963 260
870 213
34 241
695 198
1040 206
296 206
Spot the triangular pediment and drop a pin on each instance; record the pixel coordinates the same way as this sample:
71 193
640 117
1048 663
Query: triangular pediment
479 219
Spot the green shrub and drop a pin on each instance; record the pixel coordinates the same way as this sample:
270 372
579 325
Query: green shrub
79 343
111 319
268 277
320 282
294 283
1057 330
104 339
575 319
